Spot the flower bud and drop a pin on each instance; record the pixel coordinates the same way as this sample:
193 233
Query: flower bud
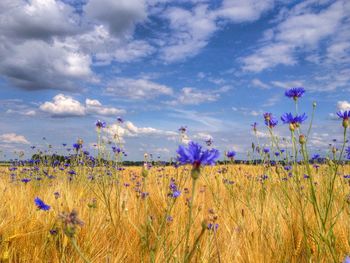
291 127
302 139
345 123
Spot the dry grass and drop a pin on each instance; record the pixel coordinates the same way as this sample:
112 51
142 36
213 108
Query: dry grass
259 221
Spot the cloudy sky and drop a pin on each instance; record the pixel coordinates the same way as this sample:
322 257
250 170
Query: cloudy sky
212 65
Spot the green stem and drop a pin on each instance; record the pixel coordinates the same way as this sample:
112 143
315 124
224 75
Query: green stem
189 223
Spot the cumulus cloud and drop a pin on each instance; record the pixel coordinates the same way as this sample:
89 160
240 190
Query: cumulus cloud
137 89
35 65
343 105
38 19
66 106
47 44
129 129
120 16
13 138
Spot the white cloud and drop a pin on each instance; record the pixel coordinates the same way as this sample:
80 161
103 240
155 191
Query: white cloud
343 105
192 29
120 16
40 19
287 84
192 96
13 138
129 129
202 136
244 11
258 83
36 65
95 107
65 106
137 89
302 28
190 32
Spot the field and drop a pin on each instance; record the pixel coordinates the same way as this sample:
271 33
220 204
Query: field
240 213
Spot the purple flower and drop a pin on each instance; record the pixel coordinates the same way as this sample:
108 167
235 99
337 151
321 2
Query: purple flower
100 124
293 121
213 227
26 180
116 149
120 120
345 115
175 193
346 259
347 151
266 150
196 156
288 118
270 121
295 93
77 146
41 205
231 154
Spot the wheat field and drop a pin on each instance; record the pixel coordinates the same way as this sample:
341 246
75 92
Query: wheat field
130 216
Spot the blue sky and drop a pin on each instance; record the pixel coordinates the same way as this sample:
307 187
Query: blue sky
213 66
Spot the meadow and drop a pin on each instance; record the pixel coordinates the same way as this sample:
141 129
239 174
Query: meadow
282 205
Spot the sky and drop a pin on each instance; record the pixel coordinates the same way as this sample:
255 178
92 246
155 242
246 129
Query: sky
212 66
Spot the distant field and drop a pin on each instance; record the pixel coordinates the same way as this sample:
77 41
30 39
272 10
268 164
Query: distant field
131 218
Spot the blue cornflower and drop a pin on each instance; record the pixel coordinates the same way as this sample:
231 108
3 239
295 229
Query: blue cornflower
41 205
347 259
295 93
347 150
315 157
196 156
266 150
213 227
116 149
293 121
120 120
175 192
270 121
77 146
345 116
100 124
231 154
26 180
